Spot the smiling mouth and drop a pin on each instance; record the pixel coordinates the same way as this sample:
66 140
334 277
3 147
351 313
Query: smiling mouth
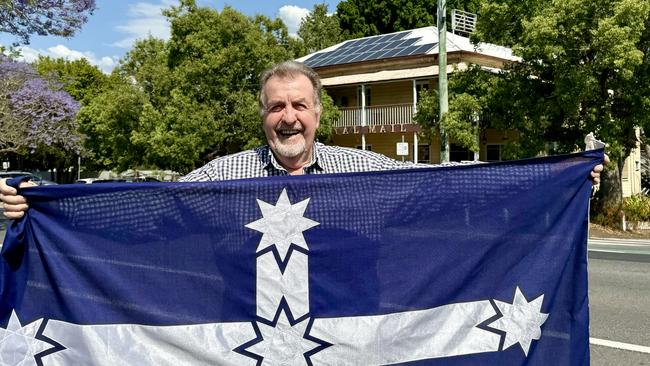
288 133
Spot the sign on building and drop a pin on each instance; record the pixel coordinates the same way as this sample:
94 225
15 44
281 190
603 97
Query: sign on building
402 148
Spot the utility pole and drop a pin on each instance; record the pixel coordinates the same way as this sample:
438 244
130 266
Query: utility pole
442 76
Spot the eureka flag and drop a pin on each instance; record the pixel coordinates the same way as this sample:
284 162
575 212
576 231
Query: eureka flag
479 265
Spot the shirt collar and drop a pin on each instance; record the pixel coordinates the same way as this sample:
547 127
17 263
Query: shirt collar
269 161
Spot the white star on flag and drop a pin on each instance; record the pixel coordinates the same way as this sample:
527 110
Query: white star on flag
282 224
283 344
522 320
18 344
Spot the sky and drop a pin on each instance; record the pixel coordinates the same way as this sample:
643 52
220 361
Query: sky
116 24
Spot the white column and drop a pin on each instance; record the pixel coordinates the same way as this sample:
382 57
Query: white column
363 116
478 138
415 147
415 109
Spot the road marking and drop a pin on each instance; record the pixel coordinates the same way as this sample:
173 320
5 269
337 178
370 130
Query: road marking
641 241
619 345
619 243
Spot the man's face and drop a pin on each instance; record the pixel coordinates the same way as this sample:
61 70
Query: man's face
291 118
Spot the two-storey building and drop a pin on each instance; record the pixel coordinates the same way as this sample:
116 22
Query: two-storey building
376 81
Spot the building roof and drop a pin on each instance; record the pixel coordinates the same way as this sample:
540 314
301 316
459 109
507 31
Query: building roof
416 42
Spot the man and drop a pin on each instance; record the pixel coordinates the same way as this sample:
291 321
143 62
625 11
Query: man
290 107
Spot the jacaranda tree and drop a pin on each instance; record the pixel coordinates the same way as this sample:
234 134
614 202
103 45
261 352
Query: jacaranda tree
36 116
24 18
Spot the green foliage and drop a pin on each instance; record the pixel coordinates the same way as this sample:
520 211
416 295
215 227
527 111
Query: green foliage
461 121
329 114
108 121
584 69
79 78
362 18
609 216
637 208
319 30
471 99
359 18
177 104
428 112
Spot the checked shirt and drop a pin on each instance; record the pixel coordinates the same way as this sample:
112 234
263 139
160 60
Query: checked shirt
260 162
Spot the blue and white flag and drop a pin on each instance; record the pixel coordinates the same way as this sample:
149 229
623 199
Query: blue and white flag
480 265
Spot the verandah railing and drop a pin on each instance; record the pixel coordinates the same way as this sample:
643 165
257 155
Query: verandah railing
376 115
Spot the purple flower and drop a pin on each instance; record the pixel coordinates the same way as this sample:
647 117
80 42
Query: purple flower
42 109
57 17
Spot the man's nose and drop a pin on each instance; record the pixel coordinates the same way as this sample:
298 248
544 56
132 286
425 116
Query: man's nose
290 114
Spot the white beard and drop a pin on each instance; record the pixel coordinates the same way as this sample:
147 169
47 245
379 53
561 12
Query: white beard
290 149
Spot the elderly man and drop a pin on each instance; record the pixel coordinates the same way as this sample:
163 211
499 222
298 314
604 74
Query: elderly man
290 107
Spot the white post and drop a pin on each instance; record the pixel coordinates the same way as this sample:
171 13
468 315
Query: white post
478 137
415 147
415 134
363 116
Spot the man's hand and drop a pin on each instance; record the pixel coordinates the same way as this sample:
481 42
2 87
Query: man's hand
595 174
14 205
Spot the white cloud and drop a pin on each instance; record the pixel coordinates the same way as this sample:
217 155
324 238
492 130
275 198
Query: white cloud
145 19
292 15
105 63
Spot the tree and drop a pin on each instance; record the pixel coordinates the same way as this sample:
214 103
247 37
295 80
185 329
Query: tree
27 17
319 30
471 101
361 18
108 120
584 68
79 78
35 114
177 104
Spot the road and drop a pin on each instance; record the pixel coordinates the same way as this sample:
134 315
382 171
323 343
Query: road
619 296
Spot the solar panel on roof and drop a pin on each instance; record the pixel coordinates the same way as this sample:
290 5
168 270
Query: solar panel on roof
347 59
391 53
357 57
352 43
314 58
396 36
373 56
408 42
406 51
384 53
371 48
364 48
393 44
422 49
363 42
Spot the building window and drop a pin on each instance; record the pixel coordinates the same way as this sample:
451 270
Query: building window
423 154
368 147
460 153
493 152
